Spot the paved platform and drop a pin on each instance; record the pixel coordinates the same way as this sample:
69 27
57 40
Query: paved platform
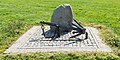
34 41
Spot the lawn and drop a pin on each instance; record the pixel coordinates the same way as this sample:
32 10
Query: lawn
17 16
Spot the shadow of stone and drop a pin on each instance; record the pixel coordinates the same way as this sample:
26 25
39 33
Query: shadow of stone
51 33
75 41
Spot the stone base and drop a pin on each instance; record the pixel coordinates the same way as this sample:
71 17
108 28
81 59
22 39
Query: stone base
34 41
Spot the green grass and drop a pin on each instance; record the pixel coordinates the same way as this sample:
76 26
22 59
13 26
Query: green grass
17 16
61 56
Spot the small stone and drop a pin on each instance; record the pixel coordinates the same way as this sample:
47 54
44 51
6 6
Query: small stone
62 16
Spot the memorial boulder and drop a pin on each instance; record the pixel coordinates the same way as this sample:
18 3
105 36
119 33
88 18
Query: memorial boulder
62 23
62 16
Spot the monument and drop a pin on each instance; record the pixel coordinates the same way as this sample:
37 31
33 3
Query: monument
63 33
62 22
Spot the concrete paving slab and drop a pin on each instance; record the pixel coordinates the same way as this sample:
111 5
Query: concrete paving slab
34 41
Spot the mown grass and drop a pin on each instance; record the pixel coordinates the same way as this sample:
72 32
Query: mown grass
17 16
61 56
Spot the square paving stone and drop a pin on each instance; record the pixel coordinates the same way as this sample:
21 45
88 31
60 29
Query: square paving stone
34 41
